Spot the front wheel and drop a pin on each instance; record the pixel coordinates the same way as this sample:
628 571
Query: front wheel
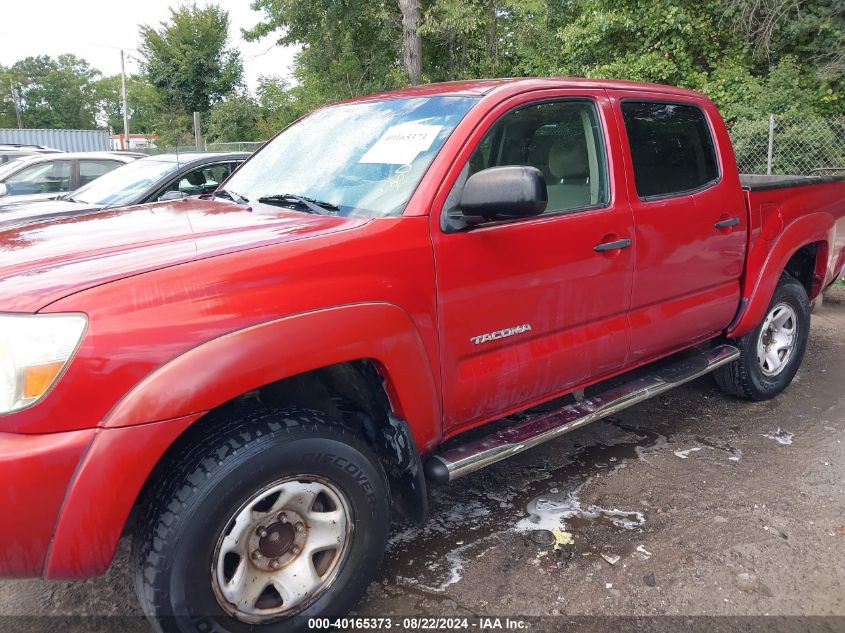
770 355
268 521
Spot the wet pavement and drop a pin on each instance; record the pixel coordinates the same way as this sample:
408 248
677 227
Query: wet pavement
691 504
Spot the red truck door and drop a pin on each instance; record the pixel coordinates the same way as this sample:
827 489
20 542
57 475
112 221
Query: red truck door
530 307
690 221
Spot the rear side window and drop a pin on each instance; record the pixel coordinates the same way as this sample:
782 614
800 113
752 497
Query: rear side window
92 169
671 148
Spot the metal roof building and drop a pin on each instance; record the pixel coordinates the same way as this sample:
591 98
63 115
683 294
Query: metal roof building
66 140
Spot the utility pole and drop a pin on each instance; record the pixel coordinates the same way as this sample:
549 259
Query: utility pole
125 106
17 105
197 132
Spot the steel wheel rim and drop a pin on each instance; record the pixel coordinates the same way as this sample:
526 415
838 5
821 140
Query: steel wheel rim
281 549
777 340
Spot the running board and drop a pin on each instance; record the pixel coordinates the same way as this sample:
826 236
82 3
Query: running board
476 454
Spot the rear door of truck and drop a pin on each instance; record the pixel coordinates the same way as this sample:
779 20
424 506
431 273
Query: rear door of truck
690 220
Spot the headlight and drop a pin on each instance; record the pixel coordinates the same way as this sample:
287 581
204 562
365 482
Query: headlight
34 349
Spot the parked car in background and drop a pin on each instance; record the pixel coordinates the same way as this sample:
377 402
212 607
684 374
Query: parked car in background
163 177
46 176
13 151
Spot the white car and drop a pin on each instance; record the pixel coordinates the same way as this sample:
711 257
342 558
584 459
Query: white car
45 176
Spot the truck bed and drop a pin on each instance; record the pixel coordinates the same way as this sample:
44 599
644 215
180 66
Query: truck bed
757 182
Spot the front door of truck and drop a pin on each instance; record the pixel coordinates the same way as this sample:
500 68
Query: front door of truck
529 308
690 219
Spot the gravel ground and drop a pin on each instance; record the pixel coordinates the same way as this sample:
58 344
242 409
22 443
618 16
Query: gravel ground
713 506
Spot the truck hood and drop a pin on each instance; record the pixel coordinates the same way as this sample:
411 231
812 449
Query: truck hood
42 262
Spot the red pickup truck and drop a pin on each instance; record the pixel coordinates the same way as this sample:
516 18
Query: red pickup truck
251 385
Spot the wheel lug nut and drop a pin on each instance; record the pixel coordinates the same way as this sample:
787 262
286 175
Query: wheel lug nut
282 517
300 528
275 563
261 532
256 554
294 550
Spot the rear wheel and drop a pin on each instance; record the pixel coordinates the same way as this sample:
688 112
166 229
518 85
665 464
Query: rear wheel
270 520
771 354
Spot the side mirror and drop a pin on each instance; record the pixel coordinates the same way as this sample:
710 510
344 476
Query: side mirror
172 195
504 193
3 189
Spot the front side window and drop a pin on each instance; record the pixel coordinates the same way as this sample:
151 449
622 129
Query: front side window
201 180
361 159
48 177
671 148
562 139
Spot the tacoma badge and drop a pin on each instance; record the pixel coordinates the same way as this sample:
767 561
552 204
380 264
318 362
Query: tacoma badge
495 336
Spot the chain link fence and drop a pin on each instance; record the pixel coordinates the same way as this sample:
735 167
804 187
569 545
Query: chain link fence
238 146
790 145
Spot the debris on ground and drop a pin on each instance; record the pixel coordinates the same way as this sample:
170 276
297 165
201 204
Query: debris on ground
776 532
650 580
562 538
643 552
841 530
780 436
544 538
685 454
750 583
610 558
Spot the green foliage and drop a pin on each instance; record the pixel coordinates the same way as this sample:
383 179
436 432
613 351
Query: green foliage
750 57
279 105
234 119
53 93
349 48
145 104
188 58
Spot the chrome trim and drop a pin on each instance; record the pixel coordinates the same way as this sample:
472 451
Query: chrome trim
462 460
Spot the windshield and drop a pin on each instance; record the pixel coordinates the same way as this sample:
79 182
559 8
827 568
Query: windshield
124 184
361 159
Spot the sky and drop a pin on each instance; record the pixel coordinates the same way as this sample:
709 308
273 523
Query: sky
96 30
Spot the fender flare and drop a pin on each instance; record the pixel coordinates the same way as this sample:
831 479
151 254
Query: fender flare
143 424
809 229
235 363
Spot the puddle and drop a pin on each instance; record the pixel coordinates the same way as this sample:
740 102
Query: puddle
538 490
780 436
550 511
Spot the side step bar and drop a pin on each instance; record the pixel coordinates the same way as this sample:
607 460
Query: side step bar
476 454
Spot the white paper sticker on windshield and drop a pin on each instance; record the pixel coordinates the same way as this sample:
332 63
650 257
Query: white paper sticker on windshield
401 144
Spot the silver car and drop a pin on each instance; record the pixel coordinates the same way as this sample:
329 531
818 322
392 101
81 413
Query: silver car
46 176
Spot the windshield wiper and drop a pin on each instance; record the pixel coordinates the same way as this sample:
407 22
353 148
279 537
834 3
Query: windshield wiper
231 195
313 206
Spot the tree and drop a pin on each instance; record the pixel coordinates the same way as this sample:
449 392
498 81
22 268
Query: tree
234 119
54 93
189 59
348 48
411 45
279 105
145 104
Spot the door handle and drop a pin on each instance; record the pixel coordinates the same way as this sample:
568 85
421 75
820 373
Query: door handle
612 246
724 224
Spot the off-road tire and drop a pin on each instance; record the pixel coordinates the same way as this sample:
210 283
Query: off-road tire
187 509
744 377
